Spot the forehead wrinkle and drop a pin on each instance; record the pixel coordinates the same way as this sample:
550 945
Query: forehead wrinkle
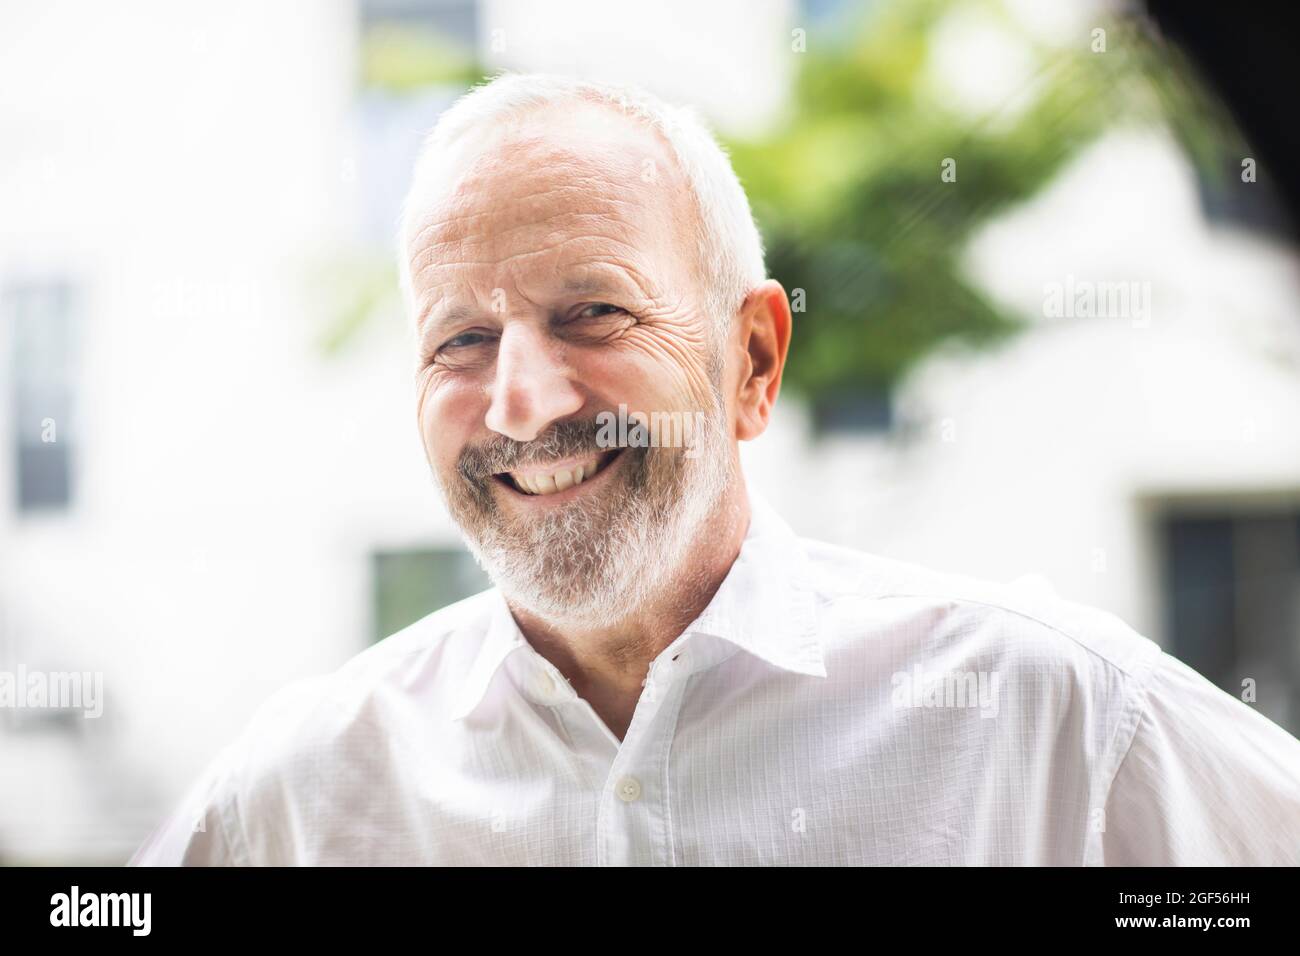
568 173
606 189
556 201
625 263
563 207
420 233
584 186
561 219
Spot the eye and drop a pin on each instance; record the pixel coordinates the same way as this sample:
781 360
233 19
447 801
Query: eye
465 340
598 310
460 351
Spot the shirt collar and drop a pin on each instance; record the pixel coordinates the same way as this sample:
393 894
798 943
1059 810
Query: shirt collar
503 638
765 606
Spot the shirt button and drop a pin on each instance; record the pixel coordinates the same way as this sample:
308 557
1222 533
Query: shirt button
628 789
545 687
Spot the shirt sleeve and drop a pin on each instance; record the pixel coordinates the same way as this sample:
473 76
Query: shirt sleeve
202 830
1206 781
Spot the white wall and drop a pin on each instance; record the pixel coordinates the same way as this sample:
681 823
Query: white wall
181 164
193 170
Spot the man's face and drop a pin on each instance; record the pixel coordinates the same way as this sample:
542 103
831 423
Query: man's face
555 279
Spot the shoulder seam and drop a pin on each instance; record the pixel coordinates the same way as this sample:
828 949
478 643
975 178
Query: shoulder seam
1010 610
1126 731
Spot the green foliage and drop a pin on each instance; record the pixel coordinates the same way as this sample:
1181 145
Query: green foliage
847 189
354 290
852 206
402 58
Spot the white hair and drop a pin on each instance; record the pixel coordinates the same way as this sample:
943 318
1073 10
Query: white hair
728 244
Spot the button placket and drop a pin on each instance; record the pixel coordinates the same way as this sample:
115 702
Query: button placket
632 825
664 672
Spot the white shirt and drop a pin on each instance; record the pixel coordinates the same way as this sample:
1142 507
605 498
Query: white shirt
795 722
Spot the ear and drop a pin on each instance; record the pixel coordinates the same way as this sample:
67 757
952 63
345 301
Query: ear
764 339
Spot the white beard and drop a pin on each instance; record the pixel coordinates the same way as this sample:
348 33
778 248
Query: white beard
594 561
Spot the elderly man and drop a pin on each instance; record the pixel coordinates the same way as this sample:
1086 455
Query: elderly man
665 673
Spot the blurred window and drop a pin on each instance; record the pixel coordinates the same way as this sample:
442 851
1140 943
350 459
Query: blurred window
410 584
416 57
853 411
457 20
1232 595
42 328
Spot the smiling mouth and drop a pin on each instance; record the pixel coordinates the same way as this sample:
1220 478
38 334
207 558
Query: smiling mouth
541 480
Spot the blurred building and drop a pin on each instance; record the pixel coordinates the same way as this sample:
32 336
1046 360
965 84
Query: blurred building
210 477
195 203
1145 461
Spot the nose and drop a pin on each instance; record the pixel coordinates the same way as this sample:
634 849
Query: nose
532 387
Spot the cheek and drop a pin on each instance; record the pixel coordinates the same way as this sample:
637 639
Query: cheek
448 411
654 371
631 378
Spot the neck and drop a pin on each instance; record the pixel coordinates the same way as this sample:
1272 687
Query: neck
608 665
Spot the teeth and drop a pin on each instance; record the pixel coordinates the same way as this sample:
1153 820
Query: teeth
538 483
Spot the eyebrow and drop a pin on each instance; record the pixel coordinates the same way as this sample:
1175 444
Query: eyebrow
589 285
437 320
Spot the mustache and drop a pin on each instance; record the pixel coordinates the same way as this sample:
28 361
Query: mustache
564 439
